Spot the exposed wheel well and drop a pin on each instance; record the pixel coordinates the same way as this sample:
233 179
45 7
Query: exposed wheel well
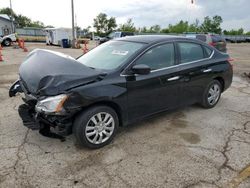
222 82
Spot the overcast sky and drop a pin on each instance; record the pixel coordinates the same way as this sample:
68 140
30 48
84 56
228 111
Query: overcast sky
235 13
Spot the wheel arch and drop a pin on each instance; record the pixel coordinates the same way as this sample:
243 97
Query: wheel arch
8 39
110 104
222 82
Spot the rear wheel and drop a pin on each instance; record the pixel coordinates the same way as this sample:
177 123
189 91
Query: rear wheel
212 94
96 127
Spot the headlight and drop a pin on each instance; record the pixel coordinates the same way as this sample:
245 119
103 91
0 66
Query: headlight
51 104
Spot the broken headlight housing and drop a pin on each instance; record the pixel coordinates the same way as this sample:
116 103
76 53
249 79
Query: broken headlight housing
52 105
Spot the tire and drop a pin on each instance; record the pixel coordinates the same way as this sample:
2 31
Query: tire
210 99
7 42
88 130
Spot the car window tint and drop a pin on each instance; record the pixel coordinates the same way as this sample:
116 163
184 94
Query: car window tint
158 57
190 52
201 37
208 51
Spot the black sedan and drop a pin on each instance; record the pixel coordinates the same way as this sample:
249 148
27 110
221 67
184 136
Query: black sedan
118 83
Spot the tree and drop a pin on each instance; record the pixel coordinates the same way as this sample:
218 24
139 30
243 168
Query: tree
37 24
20 20
165 30
8 12
155 29
212 25
128 26
111 25
86 30
23 21
103 25
248 33
180 27
234 32
194 27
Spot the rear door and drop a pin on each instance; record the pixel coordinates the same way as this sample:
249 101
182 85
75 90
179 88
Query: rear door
195 70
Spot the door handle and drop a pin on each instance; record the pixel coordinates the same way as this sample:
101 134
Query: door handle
207 70
174 78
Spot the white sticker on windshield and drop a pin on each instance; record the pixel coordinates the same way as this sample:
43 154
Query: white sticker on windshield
118 52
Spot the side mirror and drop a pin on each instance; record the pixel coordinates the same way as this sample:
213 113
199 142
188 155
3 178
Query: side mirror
141 69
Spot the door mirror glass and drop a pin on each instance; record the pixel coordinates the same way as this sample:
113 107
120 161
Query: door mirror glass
141 69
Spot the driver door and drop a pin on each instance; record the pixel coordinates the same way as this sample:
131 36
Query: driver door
158 90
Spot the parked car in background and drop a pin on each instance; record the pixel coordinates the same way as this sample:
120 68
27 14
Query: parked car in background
237 38
97 38
8 39
116 34
110 86
214 40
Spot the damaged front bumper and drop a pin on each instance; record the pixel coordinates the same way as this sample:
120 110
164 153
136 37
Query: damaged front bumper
61 125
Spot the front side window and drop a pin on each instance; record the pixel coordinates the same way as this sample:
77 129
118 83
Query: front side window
110 55
158 57
190 52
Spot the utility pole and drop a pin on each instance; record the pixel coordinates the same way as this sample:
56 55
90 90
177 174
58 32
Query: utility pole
73 25
11 18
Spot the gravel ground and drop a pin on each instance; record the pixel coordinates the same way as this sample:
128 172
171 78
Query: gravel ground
187 147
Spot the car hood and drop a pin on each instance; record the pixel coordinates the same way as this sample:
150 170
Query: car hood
48 73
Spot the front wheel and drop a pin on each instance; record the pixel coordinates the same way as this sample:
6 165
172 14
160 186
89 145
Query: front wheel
7 42
212 94
95 127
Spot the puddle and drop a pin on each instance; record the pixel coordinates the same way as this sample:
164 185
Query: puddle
177 120
190 137
178 123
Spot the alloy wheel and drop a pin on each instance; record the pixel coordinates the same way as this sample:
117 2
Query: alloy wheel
100 128
213 94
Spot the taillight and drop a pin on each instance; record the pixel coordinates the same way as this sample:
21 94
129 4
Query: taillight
212 44
230 61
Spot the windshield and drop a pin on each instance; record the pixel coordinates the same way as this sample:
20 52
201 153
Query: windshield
110 55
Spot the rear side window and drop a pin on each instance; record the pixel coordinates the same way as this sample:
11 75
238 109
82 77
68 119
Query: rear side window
158 57
201 37
190 52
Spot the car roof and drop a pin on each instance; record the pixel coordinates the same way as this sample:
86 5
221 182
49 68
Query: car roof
149 39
